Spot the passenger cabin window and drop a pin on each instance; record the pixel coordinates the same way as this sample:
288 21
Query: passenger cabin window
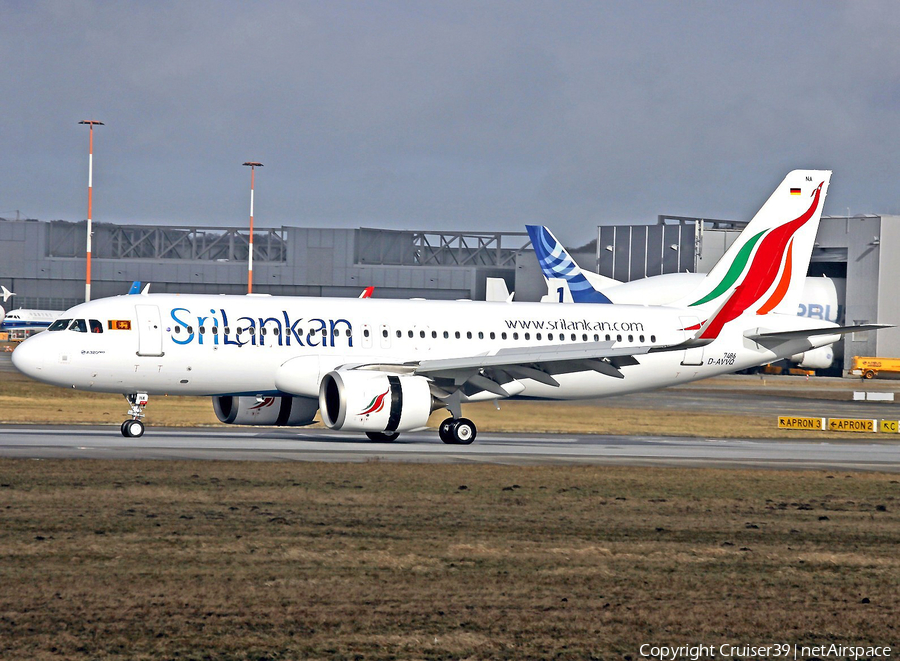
96 326
60 324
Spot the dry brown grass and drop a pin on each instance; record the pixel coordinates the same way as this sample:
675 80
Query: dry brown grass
210 560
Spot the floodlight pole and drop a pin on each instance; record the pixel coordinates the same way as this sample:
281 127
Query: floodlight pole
252 165
87 280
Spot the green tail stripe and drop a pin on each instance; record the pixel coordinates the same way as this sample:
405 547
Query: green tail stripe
734 271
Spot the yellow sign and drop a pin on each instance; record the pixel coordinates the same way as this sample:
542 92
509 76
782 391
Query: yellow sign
890 426
119 324
850 424
794 422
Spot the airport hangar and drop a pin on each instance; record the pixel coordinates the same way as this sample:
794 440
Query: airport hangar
43 262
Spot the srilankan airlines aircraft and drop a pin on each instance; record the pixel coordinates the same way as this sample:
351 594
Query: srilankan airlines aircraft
383 366
821 298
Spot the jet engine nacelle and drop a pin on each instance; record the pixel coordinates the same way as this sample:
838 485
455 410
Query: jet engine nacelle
362 400
275 411
815 359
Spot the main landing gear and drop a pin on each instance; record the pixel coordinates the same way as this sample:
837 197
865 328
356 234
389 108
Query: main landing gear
457 431
134 428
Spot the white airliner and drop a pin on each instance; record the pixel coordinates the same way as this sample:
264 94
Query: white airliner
821 298
382 366
23 319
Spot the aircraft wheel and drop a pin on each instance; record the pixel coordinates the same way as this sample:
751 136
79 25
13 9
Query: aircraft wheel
463 431
381 437
132 429
445 431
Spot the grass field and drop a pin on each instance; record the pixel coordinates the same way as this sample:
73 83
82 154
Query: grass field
244 560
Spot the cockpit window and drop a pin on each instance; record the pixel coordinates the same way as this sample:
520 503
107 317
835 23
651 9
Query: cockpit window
59 324
96 326
78 326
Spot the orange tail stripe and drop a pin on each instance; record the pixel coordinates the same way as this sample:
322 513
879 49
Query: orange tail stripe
783 284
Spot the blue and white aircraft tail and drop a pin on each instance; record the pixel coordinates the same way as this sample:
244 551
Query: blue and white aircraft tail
556 263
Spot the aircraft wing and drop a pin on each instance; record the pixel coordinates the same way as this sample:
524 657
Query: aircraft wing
490 371
530 355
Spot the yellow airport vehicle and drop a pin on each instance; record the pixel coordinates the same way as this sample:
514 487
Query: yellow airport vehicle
869 368
792 371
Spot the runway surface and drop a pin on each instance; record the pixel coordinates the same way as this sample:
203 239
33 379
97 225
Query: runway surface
43 442
725 395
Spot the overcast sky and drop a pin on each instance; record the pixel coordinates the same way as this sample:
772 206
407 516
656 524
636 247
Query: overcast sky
444 115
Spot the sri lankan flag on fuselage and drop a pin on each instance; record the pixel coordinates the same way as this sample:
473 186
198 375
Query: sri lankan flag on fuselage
771 253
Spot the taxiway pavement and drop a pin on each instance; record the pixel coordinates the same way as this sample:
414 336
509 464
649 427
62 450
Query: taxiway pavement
44 442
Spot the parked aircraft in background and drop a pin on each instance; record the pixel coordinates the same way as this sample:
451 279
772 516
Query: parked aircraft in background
821 298
22 319
383 366
29 320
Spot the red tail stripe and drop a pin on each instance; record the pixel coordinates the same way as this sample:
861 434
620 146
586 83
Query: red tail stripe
762 271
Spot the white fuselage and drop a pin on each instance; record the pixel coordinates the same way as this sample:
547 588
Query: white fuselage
23 319
216 345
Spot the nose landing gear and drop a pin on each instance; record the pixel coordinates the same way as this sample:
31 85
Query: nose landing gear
134 428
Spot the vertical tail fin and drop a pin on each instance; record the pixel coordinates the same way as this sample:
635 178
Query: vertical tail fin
765 268
555 262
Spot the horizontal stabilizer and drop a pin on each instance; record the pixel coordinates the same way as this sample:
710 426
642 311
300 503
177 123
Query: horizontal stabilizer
801 334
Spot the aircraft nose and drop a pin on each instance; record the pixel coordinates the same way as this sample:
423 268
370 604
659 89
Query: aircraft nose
28 358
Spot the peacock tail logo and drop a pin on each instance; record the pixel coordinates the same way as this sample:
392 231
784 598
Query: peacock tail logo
376 404
762 272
